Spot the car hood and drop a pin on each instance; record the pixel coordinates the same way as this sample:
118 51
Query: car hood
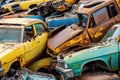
16 15
91 53
7 47
10 4
63 36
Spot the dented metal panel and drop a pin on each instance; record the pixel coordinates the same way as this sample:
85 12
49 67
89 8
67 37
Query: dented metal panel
97 21
67 34
104 55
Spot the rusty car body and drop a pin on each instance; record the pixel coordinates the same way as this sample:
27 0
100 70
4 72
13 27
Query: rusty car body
45 11
64 40
25 5
105 55
63 5
96 18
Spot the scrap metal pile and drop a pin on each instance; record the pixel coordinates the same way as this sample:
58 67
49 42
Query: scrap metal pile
60 40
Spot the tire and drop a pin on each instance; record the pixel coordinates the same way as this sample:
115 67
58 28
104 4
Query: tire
11 72
99 76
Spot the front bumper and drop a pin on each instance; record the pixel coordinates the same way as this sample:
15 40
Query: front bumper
67 73
1 71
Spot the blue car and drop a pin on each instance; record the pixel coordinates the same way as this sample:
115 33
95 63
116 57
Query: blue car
56 21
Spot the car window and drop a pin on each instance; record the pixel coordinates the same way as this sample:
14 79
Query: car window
28 33
92 22
112 35
101 12
39 28
83 18
112 10
109 34
10 34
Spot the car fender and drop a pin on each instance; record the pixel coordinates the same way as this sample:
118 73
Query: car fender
41 63
80 70
8 65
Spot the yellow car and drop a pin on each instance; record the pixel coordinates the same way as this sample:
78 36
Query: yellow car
25 5
22 41
63 5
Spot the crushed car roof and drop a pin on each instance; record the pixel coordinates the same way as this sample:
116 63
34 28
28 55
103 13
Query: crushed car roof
92 6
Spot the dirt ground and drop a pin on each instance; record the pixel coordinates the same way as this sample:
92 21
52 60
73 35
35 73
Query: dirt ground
100 76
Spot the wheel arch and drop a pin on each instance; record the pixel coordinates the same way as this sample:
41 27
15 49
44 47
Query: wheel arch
40 64
11 64
15 64
33 5
93 61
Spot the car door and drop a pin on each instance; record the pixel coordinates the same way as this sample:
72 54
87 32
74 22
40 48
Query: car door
41 37
29 44
118 40
119 53
101 21
113 51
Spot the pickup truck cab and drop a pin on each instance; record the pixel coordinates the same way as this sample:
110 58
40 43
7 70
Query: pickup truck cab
95 19
106 55
22 41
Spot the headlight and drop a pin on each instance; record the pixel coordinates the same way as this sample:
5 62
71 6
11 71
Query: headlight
62 63
66 66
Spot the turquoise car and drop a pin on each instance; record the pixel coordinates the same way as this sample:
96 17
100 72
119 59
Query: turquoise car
105 55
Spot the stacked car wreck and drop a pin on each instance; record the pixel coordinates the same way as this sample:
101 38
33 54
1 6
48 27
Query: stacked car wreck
25 43
91 29
96 18
22 40
104 56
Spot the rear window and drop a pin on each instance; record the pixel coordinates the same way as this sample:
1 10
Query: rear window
101 15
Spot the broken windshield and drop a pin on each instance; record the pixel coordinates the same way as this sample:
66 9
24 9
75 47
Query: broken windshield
111 35
10 34
83 18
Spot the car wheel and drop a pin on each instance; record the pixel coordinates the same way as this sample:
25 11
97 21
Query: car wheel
11 72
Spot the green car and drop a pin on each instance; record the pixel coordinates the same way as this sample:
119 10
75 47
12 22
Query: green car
105 55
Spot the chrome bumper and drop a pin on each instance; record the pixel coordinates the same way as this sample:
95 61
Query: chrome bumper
1 71
67 73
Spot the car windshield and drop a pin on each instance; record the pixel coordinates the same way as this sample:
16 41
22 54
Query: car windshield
10 34
111 35
83 18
